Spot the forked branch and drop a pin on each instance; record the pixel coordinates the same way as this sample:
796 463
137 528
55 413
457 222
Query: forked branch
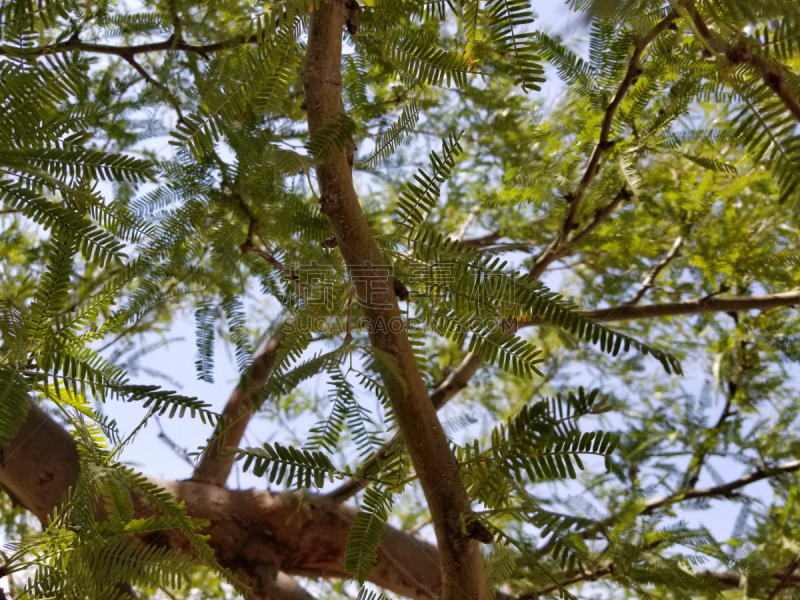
562 240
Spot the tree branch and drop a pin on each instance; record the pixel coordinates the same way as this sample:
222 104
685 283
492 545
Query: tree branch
734 580
693 307
460 378
603 144
156 84
725 580
726 489
216 469
490 239
128 52
740 52
789 571
256 534
650 280
422 432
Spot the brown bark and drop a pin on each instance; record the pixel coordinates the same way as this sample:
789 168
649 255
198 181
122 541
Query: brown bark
212 467
421 430
252 530
40 464
256 534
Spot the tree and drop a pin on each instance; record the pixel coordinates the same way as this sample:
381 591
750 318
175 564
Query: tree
659 196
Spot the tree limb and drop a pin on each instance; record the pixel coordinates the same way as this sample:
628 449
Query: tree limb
694 307
212 467
726 489
256 534
771 73
422 432
724 580
601 147
128 52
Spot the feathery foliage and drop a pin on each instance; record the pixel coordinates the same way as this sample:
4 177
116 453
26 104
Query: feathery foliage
164 163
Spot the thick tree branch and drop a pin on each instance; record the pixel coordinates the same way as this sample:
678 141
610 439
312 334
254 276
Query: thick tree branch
422 432
254 533
212 467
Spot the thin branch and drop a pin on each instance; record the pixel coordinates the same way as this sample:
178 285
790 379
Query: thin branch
287 272
734 580
650 280
156 84
603 144
734 385
724 490
126 52
180 451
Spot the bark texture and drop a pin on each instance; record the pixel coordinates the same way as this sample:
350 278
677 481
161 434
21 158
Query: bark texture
256 534
422 432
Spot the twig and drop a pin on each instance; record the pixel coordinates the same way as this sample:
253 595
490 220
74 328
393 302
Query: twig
699 457
249 249
650 280
177 449
156 84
